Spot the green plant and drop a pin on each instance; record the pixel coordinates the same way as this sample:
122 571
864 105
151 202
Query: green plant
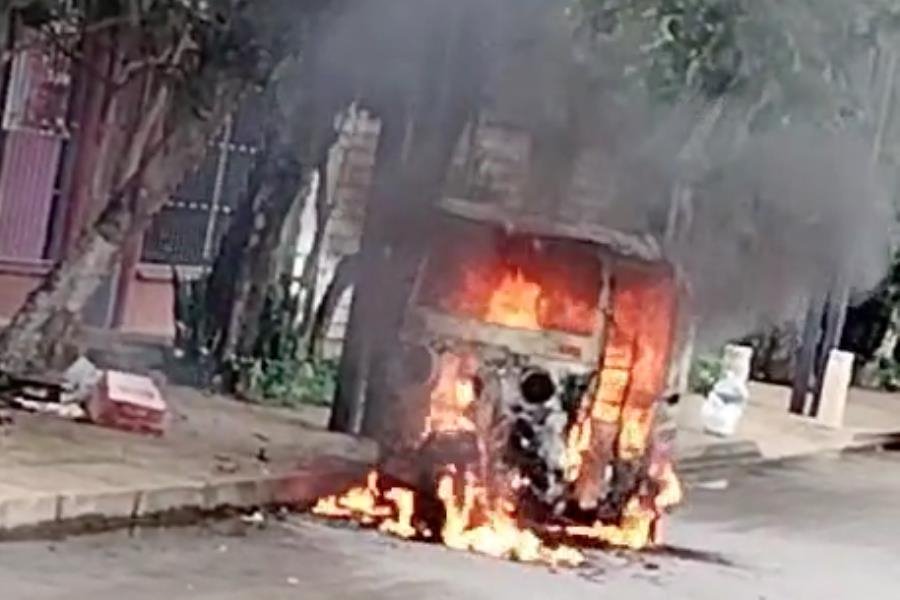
887 375
705 372
290 382
276 373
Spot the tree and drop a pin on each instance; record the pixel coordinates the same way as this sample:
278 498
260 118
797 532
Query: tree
758 69
429 89
301 107
195 61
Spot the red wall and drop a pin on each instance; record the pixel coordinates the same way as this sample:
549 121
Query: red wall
149 310
148 313
17 279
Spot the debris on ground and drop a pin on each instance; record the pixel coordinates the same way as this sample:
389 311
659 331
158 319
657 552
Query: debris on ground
226 464
256 519
84 392
63 410
716 485
129 402
47 394
41 389
82 378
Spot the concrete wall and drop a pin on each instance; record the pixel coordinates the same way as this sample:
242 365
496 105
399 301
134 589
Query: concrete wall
150 307
495 161
502 157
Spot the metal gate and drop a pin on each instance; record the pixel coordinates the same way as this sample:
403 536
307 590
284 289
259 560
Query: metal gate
34 130
189 228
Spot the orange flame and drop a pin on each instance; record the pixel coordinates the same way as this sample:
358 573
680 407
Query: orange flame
623 401
393 510
452 397
640 524
498 535
522 303
515 303
472 522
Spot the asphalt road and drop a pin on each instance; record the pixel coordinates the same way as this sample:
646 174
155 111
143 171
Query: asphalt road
823 528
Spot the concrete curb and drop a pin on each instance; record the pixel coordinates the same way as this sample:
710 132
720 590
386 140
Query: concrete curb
869 441
742 453
722 455
43 515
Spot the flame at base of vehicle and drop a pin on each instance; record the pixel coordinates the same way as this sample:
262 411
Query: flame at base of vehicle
472 521
640 524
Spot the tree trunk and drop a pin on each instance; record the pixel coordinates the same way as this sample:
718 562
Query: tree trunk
869 375
93 112
806 357
347 409
245 266
299 132
247 262
310 275
415 151
344 277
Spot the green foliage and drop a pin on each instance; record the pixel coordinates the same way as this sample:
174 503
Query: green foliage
705 372
276 373
678 44
869 322
291 382
887 375
803 59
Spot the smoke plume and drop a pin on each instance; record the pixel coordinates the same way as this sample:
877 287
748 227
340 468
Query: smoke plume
784 218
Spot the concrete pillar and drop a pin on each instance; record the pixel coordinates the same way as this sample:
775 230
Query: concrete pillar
835 388
738 360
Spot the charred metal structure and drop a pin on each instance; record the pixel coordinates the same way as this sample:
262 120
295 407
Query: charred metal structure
539 352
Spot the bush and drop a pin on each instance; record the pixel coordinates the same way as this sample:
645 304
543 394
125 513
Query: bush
276 372
290 383
705 372
888 375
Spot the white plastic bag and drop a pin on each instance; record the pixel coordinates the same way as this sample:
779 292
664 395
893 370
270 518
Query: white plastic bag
724 406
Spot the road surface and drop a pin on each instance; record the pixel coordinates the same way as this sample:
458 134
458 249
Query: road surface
823 528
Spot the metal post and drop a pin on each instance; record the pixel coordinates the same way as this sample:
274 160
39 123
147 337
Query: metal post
835 316
219 186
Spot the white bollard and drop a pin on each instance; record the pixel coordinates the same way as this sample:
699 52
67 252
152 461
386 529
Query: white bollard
835 388
738 360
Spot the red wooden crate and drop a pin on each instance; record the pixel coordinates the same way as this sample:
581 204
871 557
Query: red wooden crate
129 402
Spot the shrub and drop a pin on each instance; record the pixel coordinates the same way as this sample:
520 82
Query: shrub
705 372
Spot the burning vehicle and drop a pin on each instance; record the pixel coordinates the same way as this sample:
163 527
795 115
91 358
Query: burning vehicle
529 399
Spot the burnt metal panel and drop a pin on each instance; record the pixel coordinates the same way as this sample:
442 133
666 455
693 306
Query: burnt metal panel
642 247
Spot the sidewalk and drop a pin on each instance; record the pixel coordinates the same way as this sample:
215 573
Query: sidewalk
220 453
217 453
769 432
